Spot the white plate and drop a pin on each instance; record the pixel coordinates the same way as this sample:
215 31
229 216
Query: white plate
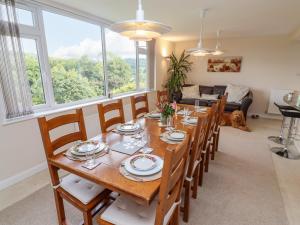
154 115
128 127
155 170
191 120
143 162
82 148
177 135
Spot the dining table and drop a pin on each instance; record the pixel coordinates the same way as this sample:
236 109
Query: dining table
107 173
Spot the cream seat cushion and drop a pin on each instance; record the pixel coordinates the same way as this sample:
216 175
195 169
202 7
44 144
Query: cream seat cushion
80 188
127 212
190 92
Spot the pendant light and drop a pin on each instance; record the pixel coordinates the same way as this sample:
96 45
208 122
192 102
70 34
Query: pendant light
140 29
200 50
218 51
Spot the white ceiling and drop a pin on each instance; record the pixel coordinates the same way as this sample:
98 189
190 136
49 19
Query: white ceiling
237 18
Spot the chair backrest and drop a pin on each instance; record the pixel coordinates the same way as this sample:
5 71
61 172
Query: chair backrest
210 125
222 105
137 112
196 149
162 96
51 145
104 109
172 179
214 118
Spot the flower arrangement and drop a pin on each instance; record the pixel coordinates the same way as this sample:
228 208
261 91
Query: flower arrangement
166 109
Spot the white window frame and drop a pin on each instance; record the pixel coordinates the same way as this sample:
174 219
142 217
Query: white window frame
37 32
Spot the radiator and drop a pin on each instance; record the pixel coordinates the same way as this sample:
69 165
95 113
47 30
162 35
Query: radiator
276 96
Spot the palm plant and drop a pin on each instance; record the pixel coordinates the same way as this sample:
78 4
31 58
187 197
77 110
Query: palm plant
178 68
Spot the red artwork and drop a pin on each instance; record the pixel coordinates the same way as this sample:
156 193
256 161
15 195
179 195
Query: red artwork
224 64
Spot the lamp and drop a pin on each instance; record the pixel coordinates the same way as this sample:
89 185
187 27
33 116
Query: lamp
140 29
217 49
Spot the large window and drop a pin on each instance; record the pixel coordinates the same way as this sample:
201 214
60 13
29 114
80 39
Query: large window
75 58
71 58
121 63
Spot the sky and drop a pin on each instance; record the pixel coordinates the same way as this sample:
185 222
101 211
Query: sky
72 38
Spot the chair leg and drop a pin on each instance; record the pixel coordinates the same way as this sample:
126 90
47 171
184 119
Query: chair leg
186 204
196 181
175 217
214 147
87 218
59 208
201 170
207 157
217 141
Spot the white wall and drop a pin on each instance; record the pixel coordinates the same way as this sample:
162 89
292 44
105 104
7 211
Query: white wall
268 63
163 48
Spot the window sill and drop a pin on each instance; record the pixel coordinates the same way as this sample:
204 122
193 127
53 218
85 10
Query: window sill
72 107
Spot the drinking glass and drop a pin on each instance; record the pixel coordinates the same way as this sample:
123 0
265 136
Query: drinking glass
197 105
90 158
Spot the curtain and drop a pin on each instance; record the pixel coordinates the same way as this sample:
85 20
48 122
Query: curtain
151 63
13 78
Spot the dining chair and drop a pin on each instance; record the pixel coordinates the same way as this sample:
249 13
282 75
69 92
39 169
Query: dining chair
81 193
210 132
164 209
162 96
103 110
193 170
138 112
216 135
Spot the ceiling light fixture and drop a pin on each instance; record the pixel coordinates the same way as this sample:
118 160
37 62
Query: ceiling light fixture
140 29
218 51
200 50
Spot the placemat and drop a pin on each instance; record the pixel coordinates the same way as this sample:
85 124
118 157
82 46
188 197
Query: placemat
126 147
164 138
132 177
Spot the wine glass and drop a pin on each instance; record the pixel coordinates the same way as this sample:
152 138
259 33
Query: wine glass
197 104
90 157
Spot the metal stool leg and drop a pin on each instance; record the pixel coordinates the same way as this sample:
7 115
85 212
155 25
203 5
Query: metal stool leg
279 139
285 151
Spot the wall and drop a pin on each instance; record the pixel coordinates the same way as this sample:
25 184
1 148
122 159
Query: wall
163 48
268 63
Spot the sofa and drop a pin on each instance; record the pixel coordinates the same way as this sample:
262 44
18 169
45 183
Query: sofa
220 90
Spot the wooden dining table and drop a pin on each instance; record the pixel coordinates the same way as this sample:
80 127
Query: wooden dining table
107 173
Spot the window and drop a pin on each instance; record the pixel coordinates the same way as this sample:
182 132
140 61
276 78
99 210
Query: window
72 58
33 70
143 70
75 58
121 63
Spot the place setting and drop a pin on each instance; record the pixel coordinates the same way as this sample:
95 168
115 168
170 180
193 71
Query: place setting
192 121
184 112
142 167
128 129
88 152
173 136
153 115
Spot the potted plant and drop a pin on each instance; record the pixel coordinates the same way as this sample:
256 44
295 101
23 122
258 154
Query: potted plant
178 68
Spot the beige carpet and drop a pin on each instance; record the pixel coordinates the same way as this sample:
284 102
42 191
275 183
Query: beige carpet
240 189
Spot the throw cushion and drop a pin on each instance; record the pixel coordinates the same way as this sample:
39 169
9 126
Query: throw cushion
209 97
190 92
236 93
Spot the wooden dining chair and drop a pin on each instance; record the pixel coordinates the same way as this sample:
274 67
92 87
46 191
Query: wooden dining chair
193 170
138 112
210 132
81 193
162 96
164 209
216 136
103 110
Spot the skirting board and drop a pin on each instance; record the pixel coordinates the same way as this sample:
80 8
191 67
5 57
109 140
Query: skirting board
21 176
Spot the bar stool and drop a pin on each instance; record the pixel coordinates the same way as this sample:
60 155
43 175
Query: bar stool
286 151
280 139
